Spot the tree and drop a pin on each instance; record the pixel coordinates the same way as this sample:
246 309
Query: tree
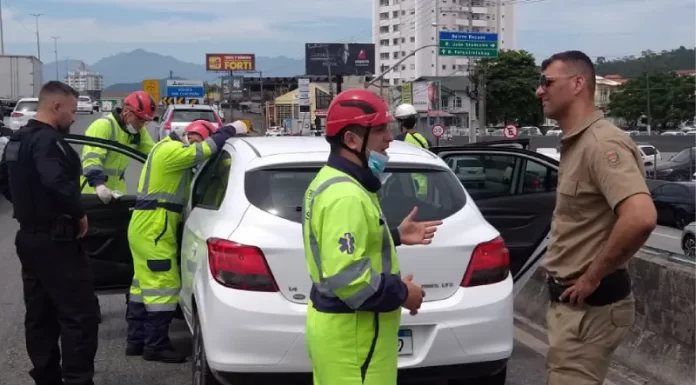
511 81
631 67
671 99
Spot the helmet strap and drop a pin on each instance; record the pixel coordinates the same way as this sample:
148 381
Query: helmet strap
362 154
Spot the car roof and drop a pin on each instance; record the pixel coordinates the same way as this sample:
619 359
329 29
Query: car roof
190 107
278 149
28 100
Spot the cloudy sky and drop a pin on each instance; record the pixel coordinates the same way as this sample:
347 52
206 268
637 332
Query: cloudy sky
186 29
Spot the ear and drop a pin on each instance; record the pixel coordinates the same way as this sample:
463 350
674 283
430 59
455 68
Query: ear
579 83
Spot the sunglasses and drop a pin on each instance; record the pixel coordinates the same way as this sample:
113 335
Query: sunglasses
546 81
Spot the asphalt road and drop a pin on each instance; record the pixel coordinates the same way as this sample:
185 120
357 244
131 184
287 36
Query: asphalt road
113 368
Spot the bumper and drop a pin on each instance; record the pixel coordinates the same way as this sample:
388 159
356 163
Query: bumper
249 334
85 109
16 124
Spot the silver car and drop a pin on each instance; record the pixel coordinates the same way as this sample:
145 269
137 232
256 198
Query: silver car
688 240
177 116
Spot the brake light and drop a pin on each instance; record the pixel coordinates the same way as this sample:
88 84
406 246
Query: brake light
16 115
239 266
490 263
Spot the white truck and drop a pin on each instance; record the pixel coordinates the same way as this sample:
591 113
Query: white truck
20 77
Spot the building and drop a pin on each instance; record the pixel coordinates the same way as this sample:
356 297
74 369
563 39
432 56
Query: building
85 82
401 26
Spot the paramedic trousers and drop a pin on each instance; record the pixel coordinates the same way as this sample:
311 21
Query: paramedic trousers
148 329
59 300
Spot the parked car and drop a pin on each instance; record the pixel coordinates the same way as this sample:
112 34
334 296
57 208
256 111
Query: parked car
245 286
177 116
679 167
84 104
675 204
23 112
469 170
649 153
688 240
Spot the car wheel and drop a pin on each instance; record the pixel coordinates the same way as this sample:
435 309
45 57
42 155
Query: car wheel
689 245
201 374
681 220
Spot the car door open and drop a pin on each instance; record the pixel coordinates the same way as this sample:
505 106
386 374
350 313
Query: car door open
517 197
106 241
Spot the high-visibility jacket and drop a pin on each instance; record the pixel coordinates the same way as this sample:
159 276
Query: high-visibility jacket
110 163
163 191
422 181
347 246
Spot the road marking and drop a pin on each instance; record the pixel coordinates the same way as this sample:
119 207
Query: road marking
666 235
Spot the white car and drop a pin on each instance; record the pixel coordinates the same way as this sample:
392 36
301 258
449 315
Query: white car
245 286
649 153
23 112
84 104
469 170
177 116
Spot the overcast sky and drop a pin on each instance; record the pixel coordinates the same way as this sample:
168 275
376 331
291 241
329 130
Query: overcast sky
187 29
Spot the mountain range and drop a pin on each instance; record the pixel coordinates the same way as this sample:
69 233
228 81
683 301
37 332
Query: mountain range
125 71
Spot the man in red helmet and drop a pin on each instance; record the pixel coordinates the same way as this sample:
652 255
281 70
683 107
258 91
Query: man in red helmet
152 234
357 294
104 170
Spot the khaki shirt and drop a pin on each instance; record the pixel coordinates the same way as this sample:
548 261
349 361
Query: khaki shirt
600 167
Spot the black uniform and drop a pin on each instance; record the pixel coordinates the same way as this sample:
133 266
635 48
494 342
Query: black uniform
40 175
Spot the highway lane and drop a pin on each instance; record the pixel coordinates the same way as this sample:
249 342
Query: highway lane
113 368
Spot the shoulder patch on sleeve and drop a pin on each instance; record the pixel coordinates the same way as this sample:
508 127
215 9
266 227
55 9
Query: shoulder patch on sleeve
612 158
346 244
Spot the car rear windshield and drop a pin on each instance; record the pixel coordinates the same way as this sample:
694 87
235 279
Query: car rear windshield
469 163
84 99
191 115
281 191
26 106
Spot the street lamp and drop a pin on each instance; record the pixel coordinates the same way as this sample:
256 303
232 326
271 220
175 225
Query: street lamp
55 45
403 59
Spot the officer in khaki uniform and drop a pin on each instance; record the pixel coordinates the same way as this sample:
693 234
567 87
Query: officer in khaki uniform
603 215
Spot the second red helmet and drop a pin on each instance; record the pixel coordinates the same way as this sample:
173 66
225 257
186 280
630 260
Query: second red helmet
201 127
356 107
142 104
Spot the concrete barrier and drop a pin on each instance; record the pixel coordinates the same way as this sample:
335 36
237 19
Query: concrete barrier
661 342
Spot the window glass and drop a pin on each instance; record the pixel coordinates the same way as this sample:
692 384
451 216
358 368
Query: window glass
281 192
647 150
538 178
683 156
27 106
193 114
211 184
490 177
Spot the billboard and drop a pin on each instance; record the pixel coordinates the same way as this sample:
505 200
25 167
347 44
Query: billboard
230 62
344 59
425 96
233 86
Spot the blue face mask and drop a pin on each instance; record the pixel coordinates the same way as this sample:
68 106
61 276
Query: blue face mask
377 162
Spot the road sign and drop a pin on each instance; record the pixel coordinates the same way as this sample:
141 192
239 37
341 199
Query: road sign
172 100
152 87
185 88
438 130
471 44
510 131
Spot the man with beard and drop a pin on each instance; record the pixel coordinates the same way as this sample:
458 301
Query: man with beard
40 174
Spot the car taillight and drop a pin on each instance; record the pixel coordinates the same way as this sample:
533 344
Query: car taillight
239 266
17 115
490 263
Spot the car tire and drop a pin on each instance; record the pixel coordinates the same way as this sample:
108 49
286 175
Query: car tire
200 372
689 245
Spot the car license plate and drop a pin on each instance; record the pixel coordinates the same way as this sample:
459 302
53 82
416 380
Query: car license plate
405 342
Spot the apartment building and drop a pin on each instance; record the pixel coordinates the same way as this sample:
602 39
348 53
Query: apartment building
401 26
83 80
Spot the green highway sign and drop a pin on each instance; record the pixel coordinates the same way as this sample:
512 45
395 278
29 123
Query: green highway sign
469 52
469 44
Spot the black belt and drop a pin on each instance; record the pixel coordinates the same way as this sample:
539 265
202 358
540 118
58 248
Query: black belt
613 288
153 204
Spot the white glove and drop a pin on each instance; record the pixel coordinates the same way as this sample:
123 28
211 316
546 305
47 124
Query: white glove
104 194
240 127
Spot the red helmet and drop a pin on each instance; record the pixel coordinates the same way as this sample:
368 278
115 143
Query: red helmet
356 107
142 104
201 127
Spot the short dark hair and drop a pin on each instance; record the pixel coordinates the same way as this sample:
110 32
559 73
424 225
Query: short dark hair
55 87
577 59
336 141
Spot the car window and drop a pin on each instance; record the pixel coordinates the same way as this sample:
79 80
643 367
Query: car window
648 150
683 156
84 99
281 192
538 178
132 166
192 114
211 184
29 106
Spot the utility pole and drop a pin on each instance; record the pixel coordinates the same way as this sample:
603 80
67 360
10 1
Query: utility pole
38 38
55 45
2 36
647 88
328 66
437 38
472 104
171 75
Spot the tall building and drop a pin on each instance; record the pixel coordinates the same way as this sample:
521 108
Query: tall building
84 81
401 26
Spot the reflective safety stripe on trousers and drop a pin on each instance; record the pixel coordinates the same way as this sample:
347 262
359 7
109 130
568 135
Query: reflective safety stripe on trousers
134 297
102 159
327 285
170 202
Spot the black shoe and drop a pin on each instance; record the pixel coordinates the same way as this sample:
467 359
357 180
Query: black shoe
134 350
169 356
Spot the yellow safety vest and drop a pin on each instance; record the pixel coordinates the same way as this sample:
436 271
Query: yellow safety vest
163 190
111 163
420 179
347 246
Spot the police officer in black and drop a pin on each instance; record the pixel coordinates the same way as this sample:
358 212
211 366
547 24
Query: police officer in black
40 174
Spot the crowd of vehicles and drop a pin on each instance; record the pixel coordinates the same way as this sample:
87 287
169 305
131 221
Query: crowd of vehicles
177 116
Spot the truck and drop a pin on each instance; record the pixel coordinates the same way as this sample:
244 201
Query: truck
20 77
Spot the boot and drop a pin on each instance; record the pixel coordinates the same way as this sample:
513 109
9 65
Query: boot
168 355
134 350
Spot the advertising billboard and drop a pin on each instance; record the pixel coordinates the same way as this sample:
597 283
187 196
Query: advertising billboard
230 62
233 87
425 96
344 59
